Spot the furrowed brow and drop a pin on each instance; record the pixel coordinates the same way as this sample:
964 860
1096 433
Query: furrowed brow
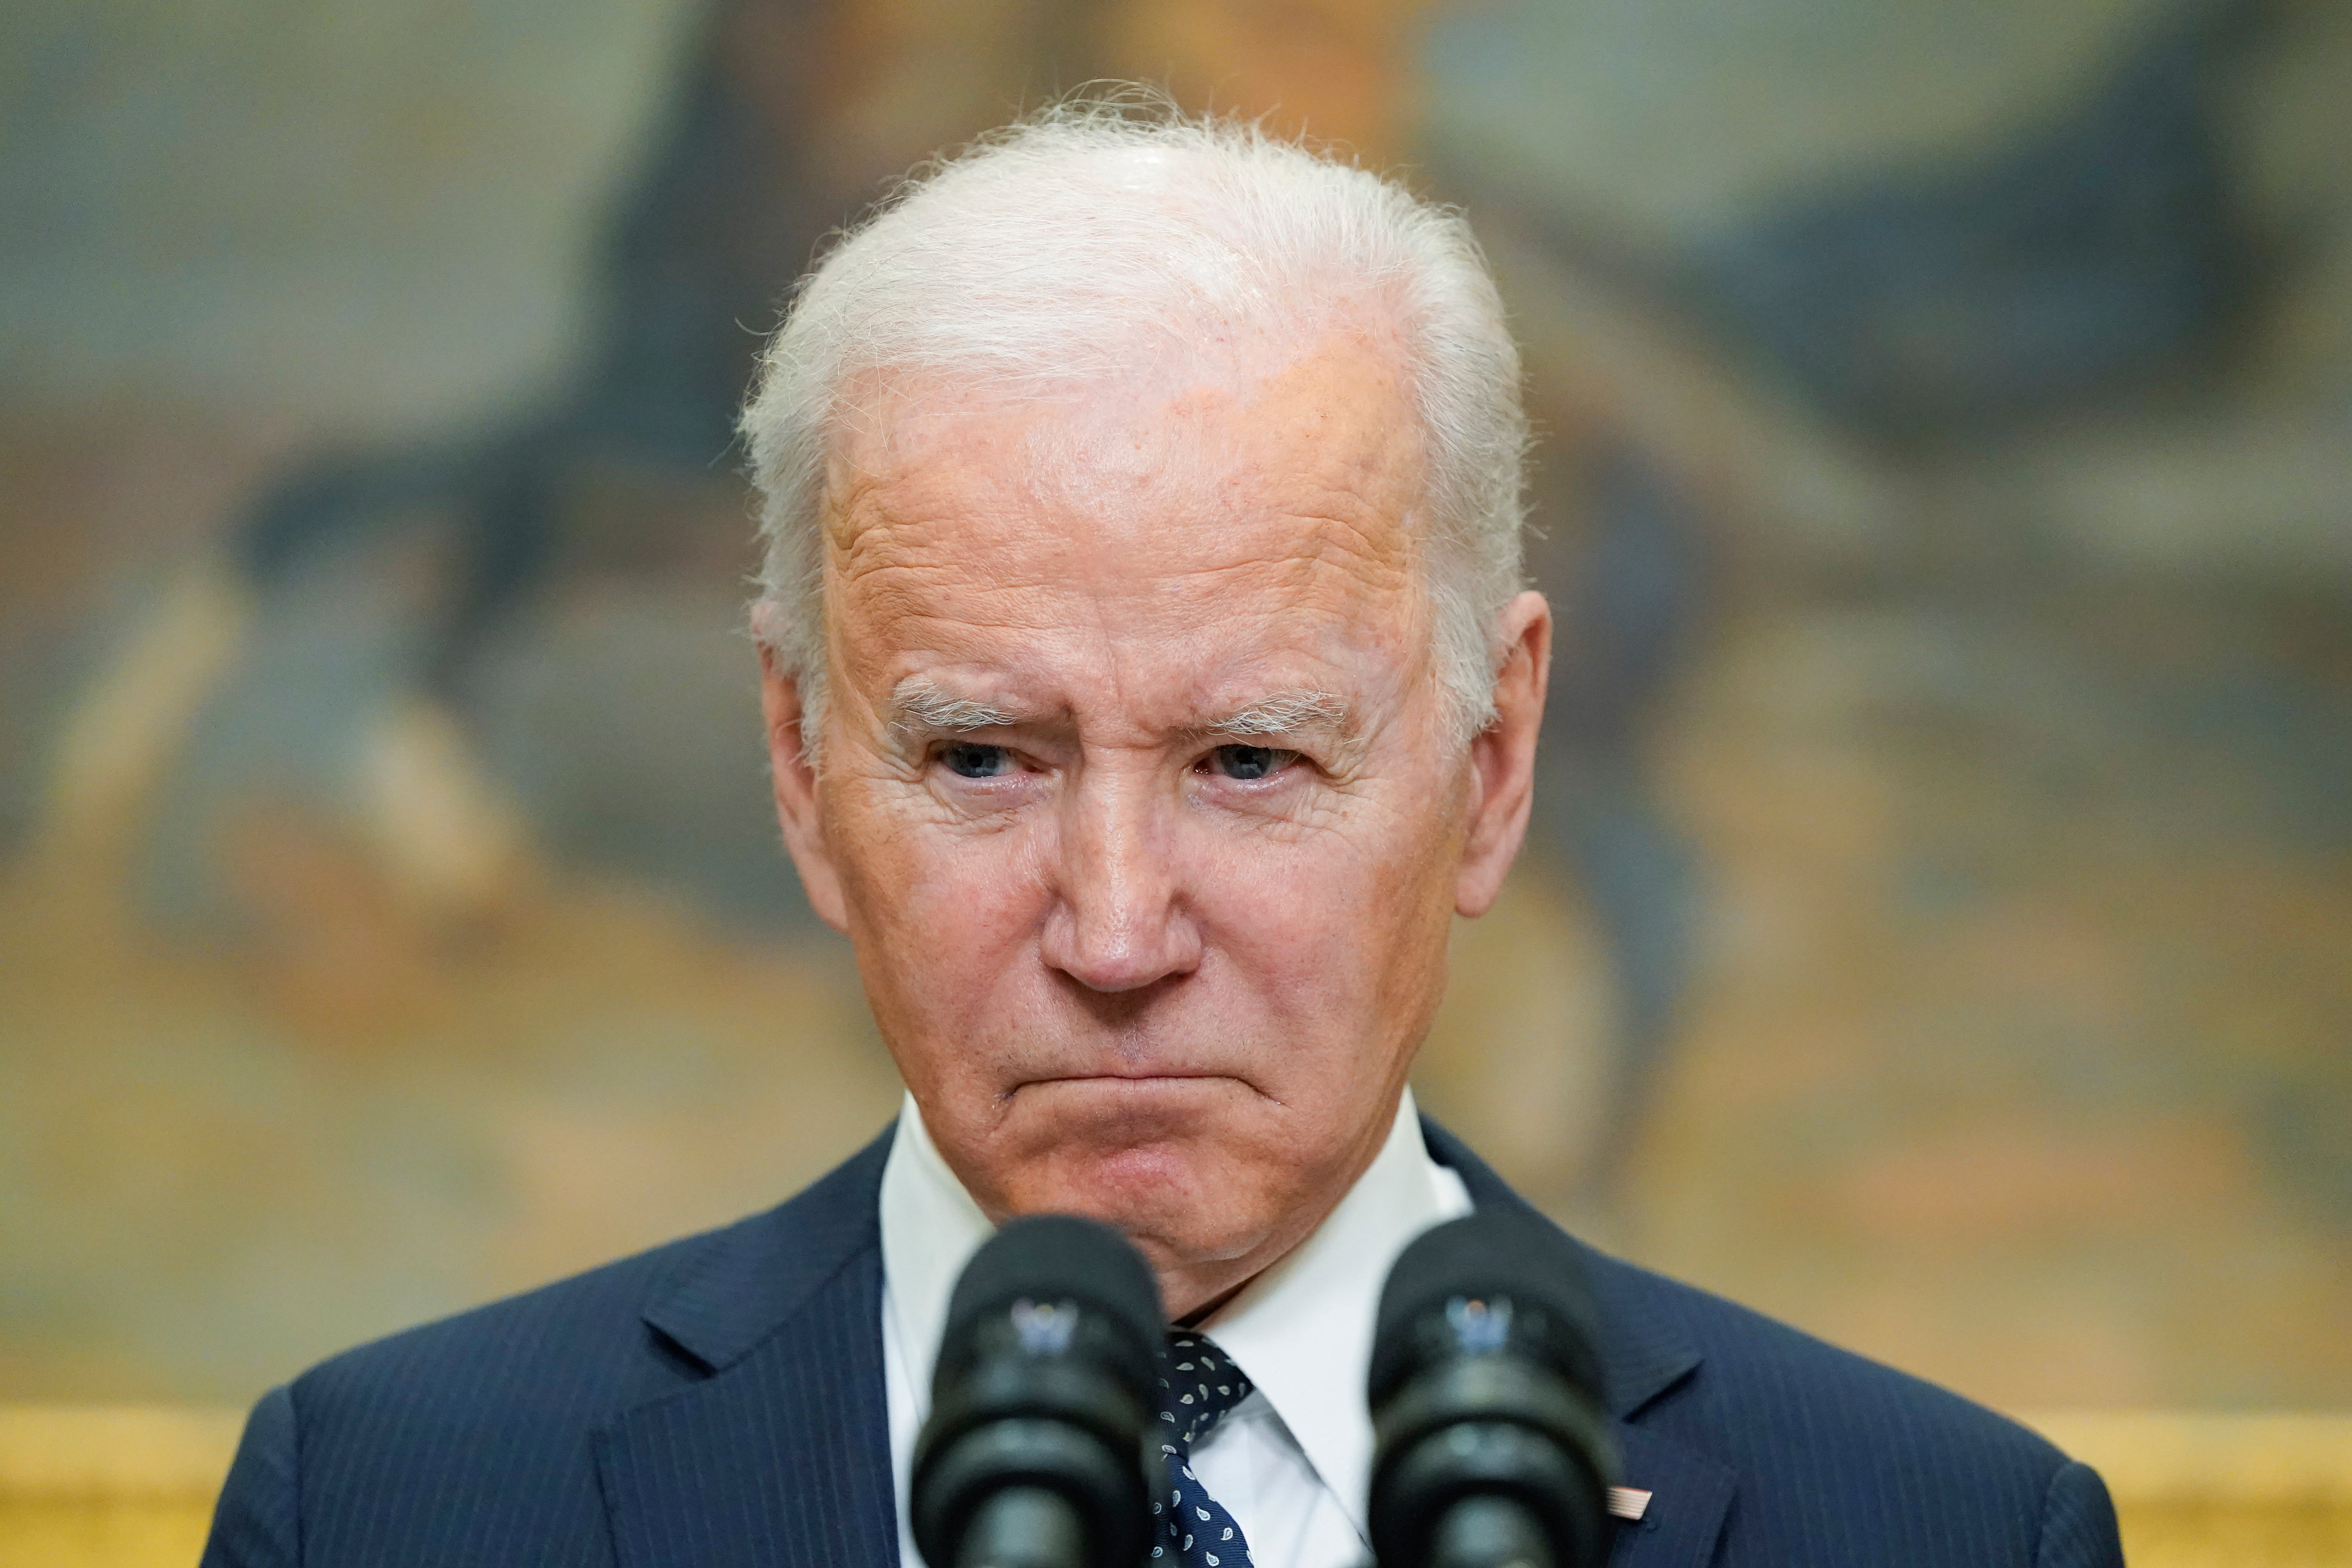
918 705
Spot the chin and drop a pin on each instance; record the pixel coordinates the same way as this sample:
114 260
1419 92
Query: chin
1155 1162
1173 1233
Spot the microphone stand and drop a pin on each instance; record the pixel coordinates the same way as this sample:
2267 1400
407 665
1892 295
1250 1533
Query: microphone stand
1489 1532
1024 1527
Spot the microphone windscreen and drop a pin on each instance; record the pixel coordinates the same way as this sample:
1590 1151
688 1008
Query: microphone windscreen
1481 1257
1057 1258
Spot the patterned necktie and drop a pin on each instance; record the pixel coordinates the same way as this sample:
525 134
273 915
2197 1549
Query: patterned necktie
1198 1383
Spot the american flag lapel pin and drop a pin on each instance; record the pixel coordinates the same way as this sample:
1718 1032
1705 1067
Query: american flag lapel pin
1628 1502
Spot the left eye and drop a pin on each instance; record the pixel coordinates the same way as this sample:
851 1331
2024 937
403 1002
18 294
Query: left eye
974 762
1248 763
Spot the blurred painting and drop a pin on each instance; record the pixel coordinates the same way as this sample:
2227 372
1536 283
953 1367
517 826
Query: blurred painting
1938 925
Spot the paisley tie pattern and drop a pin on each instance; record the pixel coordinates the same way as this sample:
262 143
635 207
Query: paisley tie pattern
1198 1385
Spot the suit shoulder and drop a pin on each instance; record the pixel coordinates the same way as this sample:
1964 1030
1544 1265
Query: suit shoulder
1836 1459
474 1438
1757 1374
584 1328
586 1341
1769 1399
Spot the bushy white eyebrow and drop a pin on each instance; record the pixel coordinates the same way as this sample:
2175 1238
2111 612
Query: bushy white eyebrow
919 704
1283 713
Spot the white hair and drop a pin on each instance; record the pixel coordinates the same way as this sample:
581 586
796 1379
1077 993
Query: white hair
1093 235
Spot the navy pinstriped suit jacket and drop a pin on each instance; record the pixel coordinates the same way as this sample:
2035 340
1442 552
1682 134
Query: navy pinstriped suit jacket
718 1402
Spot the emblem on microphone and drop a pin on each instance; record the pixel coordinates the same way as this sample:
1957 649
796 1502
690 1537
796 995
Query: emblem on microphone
1480 1328
1043 1328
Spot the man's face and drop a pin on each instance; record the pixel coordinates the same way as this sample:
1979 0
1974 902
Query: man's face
1137 801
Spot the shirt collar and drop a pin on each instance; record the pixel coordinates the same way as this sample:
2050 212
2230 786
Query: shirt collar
930 1228
1302 1329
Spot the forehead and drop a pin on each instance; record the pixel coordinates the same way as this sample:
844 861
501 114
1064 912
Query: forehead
1184 525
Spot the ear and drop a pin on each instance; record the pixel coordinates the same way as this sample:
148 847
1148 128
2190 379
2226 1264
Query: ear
798 806
1503 757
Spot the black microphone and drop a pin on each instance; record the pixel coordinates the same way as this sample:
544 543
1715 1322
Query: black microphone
1490 1441
1036 1453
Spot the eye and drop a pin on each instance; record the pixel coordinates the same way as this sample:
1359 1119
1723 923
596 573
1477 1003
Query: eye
1250 763
969 761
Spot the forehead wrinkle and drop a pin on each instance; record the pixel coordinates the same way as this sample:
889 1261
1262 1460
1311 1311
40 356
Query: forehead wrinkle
898 535
890 576
906 497
941 584
1378 553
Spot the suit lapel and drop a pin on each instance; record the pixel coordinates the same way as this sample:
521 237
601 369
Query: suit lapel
1642 1357
1689 1495
779 1455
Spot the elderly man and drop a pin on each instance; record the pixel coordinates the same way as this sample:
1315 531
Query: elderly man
1149 685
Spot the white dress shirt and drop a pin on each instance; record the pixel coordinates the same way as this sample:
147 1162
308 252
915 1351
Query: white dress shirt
1291 1463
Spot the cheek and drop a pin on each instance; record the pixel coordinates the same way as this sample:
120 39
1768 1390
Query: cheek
1332 928
939 917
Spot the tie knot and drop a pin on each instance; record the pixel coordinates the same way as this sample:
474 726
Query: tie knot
1198 1383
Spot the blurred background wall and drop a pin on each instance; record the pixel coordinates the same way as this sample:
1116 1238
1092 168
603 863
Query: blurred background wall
1938 928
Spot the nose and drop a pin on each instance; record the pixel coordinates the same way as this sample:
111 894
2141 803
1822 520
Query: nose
1118 923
